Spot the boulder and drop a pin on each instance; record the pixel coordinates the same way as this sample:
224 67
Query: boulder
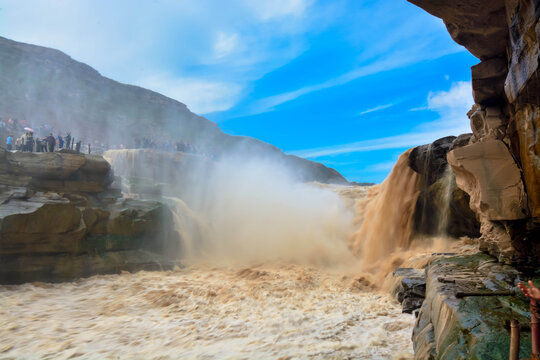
488 173
409 288
58 171
66 267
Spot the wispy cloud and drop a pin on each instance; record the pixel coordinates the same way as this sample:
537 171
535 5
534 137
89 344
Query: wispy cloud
234 41
392 142
225 44
268 9
451 105
202 96
391 61
377 108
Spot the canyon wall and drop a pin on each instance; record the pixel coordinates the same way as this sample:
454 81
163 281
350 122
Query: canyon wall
499 166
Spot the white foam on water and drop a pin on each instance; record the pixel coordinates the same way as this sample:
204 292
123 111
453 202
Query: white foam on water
270 311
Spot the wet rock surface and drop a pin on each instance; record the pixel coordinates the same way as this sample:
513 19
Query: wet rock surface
50 235
461 319
409 288
442 208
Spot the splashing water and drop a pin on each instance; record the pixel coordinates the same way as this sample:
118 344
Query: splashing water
269 311
282 281
243 211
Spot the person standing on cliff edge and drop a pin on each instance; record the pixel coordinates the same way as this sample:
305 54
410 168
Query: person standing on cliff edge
9 142
51 142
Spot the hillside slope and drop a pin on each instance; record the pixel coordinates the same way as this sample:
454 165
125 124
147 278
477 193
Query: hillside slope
46 87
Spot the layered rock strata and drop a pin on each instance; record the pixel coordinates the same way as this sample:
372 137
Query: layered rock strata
59 220
500 166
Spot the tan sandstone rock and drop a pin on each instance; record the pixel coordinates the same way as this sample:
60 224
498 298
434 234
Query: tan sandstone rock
489 174
528 122
45 165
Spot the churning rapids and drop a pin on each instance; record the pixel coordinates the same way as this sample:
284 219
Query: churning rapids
269 311
307 297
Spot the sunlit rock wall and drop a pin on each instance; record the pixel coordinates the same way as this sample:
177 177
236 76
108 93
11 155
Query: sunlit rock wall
499 168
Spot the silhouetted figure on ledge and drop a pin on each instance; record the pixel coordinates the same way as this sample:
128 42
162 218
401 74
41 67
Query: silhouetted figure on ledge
51 142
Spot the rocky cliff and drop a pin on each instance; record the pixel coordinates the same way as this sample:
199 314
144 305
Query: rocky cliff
46 87
499 168
59 220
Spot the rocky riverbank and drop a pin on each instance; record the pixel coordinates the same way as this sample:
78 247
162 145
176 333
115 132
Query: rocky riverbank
60 219
498 169
465 306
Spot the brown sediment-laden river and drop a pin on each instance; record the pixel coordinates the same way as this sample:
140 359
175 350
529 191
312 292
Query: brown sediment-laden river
269 311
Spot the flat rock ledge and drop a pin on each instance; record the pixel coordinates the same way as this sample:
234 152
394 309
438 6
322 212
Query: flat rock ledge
60 220
469 301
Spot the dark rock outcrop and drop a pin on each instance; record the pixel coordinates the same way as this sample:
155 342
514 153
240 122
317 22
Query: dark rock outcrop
60 221
45 86
409 288
441 207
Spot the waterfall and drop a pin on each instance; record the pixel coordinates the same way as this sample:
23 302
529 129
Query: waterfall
386 216
448 183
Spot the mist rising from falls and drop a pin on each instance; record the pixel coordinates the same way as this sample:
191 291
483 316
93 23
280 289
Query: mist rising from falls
242 210
239 209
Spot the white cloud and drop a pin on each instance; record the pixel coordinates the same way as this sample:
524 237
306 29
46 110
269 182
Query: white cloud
225 44
377 108
201 96
233 41
452 106
459 96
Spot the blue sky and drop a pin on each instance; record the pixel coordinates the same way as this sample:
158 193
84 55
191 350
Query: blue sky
349 83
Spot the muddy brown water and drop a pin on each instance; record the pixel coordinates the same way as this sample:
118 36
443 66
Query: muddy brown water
268 311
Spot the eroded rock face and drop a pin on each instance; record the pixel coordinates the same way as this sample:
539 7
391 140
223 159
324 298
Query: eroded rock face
500 167
78 230
55 171
478 25
489 174
528 122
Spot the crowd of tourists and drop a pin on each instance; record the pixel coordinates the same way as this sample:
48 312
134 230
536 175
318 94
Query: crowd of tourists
49 143
166 145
